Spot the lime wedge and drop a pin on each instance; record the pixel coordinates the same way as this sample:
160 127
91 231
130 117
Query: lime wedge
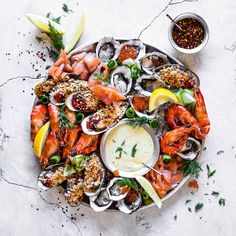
71 40
40 139
149 189
42 23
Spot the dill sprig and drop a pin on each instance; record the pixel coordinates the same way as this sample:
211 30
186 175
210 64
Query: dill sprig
137 121
66 9
63 119
55 19
192 167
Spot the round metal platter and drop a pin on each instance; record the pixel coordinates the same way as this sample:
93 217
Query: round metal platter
149 49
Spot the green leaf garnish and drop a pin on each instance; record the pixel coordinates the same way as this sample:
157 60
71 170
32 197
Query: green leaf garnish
63 119
128 182
55 19
137 121
214 193
192 167
66 9
134 150
222 202
198 207
209 172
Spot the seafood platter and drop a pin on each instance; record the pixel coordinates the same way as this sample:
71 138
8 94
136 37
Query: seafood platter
116 125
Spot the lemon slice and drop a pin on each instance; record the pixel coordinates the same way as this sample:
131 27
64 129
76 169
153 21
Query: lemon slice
41 138
75 35
161 96
42 23
149 189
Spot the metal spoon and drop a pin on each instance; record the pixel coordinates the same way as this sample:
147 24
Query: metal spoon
174 22
149 167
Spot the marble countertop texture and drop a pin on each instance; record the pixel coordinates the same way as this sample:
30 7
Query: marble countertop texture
24 210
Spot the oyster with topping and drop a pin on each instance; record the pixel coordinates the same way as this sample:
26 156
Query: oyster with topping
153 60
106 117
107 49
121 79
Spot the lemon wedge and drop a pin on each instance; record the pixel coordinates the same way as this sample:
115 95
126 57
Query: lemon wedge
75 35
41 138
161 96
42 23
149 189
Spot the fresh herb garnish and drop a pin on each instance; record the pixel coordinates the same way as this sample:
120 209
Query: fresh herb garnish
134 150
55 19
175 217
209 172
99 75
39 39
137 121
66 9
128 182
189 209
52 54
56 38
187 201
214 193
222 201
114 141
120 150
198 207
192 167
63 119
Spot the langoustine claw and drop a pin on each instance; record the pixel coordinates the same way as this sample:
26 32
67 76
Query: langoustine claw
38 117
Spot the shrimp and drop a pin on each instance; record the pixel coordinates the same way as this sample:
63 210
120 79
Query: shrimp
38 117
177 116
85 145
201 112
174 140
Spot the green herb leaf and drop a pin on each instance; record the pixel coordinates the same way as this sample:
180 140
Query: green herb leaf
175 217
123 143
63 119
56 38
189 209
192 167
187 201
66 9
55 19
198 207
214 193
39 39
99 75
137 121
222 202
209 172
128 182
134 150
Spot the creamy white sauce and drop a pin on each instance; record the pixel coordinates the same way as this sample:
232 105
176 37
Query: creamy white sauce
120 143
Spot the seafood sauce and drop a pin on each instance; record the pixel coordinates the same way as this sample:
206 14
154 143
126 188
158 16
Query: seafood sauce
128 147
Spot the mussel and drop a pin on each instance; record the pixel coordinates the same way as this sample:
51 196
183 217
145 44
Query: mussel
121 79
107 49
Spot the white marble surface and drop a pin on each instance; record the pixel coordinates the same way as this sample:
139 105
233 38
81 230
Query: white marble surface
26 211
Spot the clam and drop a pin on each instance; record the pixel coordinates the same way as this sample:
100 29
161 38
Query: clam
83 101
134 49
101 201
104 118
128 205
146 84
115 191
121 79
177 76
107 49
153 60
94 176
51 176
74 190
190 149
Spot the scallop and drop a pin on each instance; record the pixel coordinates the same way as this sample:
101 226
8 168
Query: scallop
121 79
107 49
146 84
101 201
153 60
103 119
190 149
115 191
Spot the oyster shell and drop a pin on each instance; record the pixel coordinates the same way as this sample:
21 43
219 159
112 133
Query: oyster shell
106 117
127 205
153 60
107 49
146 84
74 190
83 101
51 176
94 176
190 149
101 201
134 49
177 76
115 191
121 79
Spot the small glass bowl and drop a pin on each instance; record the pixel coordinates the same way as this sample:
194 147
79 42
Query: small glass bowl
206 33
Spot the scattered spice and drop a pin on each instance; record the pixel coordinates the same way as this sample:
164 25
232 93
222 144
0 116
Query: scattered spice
222 202
192 33
175 217
209 172
198 207
220 152
189 209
